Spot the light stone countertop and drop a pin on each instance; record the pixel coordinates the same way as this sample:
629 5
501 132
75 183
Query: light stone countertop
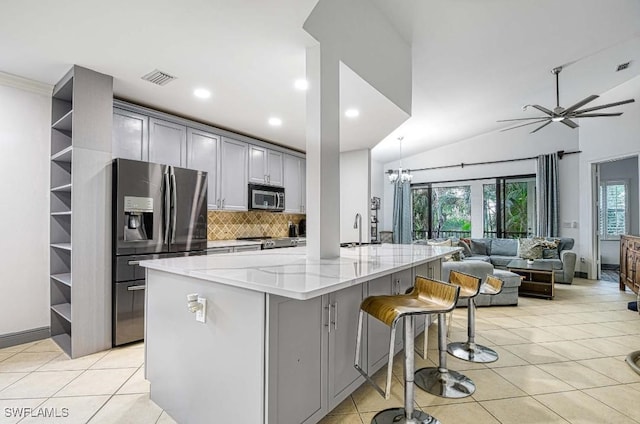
289 273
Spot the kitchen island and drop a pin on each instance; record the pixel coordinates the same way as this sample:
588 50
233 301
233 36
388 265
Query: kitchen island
279 338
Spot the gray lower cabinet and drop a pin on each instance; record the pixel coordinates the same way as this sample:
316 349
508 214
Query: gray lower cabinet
167 143
377 347
130 135
311 347
203 152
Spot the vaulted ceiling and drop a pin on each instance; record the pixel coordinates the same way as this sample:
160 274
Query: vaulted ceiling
474 61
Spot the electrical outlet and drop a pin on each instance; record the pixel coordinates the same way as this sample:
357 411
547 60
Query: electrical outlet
201 315
581 260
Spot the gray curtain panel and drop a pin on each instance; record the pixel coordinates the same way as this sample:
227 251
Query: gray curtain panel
401 213
547 195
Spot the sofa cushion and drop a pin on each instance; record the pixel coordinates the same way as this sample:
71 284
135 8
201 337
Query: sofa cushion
501 261
480 246
504 247
483 258
556 263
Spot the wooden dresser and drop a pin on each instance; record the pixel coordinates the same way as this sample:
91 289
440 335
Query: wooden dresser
630 263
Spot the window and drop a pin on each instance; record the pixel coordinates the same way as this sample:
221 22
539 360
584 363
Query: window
441 212
613 209
509 208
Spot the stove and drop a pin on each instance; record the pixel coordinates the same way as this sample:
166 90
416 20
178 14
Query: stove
276 243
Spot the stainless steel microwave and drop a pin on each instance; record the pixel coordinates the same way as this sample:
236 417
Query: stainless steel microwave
263 197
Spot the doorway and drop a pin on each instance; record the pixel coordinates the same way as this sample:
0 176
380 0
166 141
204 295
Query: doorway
616 193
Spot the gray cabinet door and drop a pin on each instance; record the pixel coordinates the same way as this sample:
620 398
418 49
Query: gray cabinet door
130 135
203 150
377 332
343 378
167 143
257 165
233 174
297 356
400 282
274 168
291 179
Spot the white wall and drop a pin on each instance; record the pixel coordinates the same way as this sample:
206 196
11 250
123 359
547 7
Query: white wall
621 170
355 192
603 139
24 216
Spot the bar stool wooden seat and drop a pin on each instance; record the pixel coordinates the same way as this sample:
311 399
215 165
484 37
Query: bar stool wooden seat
427 297
469 350
440 380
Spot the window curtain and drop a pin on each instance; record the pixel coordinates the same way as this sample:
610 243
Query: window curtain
547 195
401 213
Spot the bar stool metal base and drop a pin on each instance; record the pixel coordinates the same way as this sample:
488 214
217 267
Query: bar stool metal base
477 353
448 384
397 416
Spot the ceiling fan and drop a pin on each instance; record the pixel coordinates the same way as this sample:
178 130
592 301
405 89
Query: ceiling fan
565 116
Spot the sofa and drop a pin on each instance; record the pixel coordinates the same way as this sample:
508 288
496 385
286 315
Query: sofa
499 252
480 269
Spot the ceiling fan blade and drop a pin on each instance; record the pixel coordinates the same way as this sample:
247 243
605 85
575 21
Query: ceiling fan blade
541 127
594 115
543 109
578 105
528 123
522 119
569 123
623 102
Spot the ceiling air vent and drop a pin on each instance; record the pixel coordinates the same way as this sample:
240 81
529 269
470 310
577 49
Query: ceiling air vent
623 66
158 77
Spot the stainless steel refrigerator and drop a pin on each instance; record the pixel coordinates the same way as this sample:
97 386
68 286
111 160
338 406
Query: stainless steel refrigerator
159 211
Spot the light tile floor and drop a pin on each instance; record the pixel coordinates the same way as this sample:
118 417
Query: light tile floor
561 361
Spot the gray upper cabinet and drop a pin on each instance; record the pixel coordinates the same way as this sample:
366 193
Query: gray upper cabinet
167 143
265 166
294 178
233 174
203 152
130 135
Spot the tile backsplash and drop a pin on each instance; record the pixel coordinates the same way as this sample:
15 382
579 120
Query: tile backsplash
231 225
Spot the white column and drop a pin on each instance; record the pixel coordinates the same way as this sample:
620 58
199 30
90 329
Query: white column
323 154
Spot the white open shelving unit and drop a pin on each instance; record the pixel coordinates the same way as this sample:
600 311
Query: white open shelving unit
80 240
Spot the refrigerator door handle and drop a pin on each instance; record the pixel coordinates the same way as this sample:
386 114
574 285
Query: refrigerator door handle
167 208
174 206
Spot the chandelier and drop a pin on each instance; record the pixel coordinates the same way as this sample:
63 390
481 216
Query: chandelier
404 175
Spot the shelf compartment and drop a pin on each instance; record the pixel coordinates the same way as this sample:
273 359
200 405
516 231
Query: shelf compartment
60 173
63 309
65 123
64 341
63 278
65 92
60 202
60 140
63 155
59 108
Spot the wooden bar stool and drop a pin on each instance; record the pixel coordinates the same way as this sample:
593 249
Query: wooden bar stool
427 297
439 380
469 350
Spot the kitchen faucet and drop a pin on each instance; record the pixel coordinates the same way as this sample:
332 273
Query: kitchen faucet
358 224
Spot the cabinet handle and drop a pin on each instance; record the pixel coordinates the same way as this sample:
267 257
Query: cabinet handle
328 324
335 315
222 204
397 283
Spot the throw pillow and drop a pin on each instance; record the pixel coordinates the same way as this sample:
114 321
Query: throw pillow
478 247
504 247
550 249
466 250
530 248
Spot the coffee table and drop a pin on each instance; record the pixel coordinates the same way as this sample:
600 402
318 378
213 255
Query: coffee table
538 277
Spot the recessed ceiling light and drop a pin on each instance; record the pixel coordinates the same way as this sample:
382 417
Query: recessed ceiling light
301 84
275 122
351 113
202 93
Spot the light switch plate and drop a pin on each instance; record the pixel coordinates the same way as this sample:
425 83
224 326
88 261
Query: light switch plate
201 315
